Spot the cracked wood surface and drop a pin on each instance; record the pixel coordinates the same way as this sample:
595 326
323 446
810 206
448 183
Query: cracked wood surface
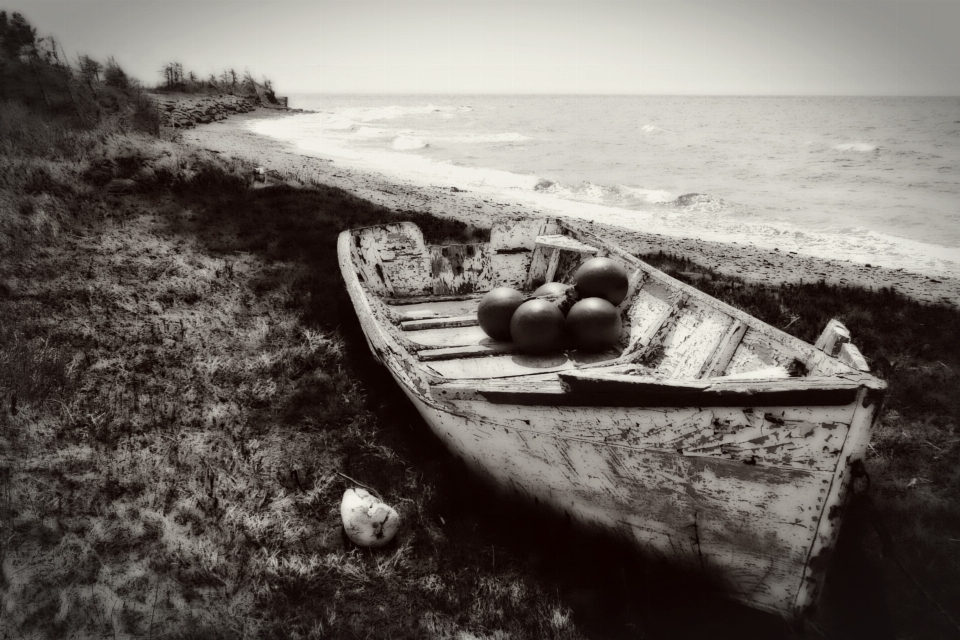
755 522
391 259
460 268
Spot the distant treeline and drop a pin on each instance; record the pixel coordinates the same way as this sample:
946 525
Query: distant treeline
229 81
37 72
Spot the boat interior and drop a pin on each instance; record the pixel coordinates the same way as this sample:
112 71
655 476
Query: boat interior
671 331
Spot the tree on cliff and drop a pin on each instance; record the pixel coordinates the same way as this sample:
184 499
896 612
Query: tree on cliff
17 37
89 69
114 76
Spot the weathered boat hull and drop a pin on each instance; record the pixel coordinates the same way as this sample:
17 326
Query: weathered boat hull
745 484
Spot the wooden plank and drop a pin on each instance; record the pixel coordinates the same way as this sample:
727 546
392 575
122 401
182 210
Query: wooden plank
789 437
431 298
467 351
537 275
439 323
510 367
695 336
717 365
510 269
391 259
552 262
588 389
520 233
441 309
834 335
512 243
565 243
851 356
759 350
568 263
869 402
448 337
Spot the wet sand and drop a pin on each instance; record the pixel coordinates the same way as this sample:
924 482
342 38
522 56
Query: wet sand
232 137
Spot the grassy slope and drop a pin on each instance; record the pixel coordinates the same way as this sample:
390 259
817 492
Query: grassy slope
184 382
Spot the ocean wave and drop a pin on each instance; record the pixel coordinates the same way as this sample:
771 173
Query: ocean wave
407 143
371 114
618 195
651 196
700 202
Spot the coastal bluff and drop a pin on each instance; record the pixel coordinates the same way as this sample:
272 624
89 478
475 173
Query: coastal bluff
185 111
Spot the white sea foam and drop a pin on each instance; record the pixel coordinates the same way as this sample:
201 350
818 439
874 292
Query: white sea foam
652 196
407 143
372 114
372 132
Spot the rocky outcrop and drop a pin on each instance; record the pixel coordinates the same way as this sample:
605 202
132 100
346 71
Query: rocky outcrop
187 111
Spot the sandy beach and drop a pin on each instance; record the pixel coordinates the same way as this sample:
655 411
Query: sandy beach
232 137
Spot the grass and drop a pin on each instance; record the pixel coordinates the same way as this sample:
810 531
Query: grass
184 390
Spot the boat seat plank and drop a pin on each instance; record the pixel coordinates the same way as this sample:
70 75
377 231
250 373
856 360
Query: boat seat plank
406 301
500 366
439 323
457 336
564 243
435 309
485 348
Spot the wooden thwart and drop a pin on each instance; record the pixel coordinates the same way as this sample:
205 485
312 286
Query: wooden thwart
439 323
468 351
565 243
431 298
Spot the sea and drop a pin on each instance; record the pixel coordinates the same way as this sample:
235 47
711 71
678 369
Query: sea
873 180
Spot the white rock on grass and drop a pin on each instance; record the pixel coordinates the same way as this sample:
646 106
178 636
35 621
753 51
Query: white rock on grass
367 521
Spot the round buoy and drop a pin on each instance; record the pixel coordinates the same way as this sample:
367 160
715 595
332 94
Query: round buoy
537 326
594 324
602 278
495 311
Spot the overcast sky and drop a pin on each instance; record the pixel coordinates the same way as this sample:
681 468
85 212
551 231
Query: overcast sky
873 47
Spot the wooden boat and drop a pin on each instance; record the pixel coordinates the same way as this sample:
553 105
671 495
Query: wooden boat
706 437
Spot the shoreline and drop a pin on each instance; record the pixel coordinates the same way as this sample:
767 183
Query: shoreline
231 137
